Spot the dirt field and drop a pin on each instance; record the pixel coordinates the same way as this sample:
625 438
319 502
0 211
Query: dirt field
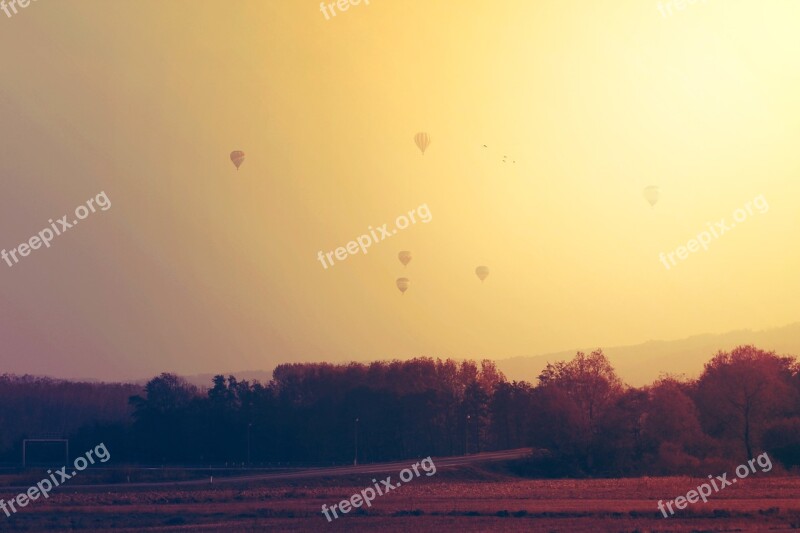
464 501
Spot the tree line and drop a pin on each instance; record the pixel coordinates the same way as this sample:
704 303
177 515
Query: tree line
579 413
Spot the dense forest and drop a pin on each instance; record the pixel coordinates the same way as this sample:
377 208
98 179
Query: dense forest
579 415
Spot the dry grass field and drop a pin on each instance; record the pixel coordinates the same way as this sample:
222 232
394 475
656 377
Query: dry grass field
471 499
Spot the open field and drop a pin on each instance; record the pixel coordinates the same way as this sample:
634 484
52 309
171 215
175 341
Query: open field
471 498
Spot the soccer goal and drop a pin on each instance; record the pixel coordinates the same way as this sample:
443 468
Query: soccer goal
44 451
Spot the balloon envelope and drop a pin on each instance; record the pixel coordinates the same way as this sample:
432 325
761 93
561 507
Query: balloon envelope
404 256
482 272
237 156
652 194
423 140
402 284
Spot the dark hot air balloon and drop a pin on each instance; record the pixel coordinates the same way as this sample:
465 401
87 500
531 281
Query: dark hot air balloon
237 156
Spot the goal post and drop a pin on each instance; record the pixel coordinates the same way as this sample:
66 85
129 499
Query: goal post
25 442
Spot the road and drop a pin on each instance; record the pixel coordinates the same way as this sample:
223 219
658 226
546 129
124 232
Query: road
372 468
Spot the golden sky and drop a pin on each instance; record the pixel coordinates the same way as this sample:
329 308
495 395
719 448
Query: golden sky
200 268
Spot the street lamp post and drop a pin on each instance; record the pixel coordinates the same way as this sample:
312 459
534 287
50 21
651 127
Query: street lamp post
355 457
466 437
249 425
477 435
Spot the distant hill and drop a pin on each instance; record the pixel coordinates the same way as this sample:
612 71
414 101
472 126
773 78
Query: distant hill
637 365
641 364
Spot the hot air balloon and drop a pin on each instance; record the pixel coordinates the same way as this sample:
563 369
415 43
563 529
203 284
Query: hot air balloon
482 272
423 140
237 156
405 257
402 284
652 194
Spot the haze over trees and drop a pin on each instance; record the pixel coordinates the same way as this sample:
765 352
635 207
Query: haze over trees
36 406
589 422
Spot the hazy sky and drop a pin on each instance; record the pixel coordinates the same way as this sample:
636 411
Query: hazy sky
199 268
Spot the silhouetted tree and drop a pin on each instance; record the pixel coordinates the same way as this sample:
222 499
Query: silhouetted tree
582 389
741 391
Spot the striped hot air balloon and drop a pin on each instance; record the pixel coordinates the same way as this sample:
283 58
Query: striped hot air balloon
423 140
403 284
237 156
